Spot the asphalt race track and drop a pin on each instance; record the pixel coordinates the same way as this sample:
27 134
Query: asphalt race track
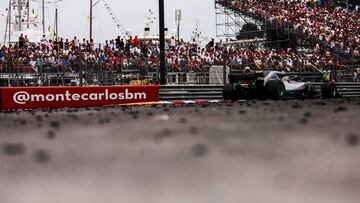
244 152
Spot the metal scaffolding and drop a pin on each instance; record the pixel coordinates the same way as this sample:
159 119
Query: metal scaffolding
230 22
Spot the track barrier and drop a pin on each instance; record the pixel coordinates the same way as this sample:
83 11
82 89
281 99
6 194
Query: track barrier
191 92
344 89
214 92
58 97
12 98
348 89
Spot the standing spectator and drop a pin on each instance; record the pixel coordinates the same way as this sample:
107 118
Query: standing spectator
56 45
26 41
172 42
122 45
66 64
43 43
211 44
112 45
130 41
61 43
32 63
83 45
67 44
76 43
136 41
92 45
21 41
39 64
117 41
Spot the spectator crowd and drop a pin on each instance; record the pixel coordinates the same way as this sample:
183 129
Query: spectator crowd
337 27
134 53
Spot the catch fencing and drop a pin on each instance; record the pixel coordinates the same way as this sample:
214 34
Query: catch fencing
91 74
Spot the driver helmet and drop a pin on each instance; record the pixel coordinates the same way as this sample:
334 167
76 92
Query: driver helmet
285 78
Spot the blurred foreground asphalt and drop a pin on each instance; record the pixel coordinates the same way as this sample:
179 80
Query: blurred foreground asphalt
245 152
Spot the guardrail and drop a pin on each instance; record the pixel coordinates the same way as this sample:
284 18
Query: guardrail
345 89
208 92
348 89
191 92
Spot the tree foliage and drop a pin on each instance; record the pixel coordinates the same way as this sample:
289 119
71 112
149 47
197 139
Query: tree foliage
249 31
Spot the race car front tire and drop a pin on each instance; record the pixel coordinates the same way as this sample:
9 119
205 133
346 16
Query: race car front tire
275 89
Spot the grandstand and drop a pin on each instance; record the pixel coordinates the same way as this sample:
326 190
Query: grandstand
306 25
284 35
311 23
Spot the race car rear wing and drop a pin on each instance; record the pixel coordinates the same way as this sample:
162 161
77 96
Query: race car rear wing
259 75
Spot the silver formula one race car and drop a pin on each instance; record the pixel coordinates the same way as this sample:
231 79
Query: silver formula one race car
272 85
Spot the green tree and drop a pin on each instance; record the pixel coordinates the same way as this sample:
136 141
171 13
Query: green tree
249 31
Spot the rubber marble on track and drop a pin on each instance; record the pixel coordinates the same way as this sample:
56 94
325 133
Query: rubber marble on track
249 152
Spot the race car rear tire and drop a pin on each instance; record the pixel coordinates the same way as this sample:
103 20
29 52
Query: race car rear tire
228 92
328 90
275 89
